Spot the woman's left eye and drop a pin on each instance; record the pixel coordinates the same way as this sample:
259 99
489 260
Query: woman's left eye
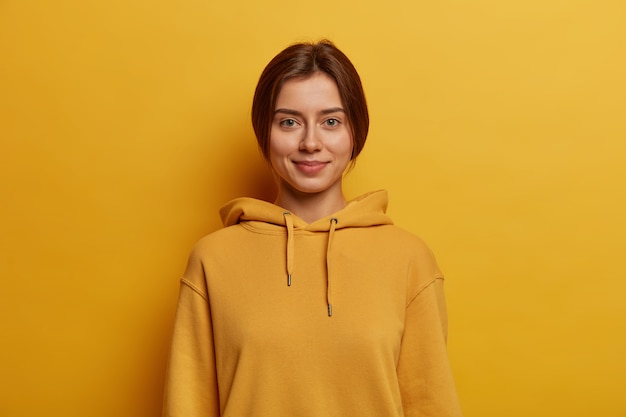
332 122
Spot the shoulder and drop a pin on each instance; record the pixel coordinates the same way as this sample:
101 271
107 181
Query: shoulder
215 244
405 241
399 245
423 268
209 247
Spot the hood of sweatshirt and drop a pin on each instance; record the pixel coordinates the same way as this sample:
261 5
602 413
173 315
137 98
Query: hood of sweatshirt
365 211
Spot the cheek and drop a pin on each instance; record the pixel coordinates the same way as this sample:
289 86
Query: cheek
278 146
346 145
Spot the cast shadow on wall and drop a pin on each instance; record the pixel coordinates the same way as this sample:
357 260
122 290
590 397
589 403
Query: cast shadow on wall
258 182
251 176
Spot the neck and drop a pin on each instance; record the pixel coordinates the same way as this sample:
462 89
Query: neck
311 207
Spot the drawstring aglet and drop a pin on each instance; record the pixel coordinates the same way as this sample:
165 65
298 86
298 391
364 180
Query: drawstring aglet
330 310
289 280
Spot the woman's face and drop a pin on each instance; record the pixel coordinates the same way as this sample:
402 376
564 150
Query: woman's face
310 139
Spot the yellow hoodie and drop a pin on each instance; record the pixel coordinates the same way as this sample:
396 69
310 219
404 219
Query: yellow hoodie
342 317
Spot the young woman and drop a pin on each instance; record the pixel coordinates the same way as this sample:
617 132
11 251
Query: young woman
312 306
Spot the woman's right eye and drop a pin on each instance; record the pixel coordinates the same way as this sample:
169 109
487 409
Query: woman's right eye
288 123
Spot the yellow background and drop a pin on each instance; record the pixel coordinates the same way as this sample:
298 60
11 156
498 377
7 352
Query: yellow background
498 127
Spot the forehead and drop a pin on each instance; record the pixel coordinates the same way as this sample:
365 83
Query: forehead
317 90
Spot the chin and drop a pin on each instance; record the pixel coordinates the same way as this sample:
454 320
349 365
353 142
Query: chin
312 189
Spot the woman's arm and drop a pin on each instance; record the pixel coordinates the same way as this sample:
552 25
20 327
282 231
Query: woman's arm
191 383
424 374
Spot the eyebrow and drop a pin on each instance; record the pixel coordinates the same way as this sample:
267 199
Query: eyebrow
322 112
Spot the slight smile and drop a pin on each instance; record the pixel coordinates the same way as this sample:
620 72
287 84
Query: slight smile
310 167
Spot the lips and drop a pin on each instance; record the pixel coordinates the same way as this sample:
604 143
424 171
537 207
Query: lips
310 167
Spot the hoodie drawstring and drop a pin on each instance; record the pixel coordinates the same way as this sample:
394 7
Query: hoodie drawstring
331 234
290 255
289 224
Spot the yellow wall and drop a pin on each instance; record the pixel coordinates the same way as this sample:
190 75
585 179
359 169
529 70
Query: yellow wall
499 128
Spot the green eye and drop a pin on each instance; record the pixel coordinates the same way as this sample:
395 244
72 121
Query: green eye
332 122
288 123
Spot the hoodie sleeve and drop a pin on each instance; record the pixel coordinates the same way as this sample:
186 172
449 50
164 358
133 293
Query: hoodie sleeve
424 374
191 383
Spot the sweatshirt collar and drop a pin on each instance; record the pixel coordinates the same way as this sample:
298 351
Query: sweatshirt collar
364 211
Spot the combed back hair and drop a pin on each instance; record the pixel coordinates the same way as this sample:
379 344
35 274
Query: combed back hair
302 60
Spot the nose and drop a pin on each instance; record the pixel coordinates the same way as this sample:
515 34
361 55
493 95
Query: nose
311 141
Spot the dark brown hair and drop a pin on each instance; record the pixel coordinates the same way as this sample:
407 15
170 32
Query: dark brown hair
302 60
